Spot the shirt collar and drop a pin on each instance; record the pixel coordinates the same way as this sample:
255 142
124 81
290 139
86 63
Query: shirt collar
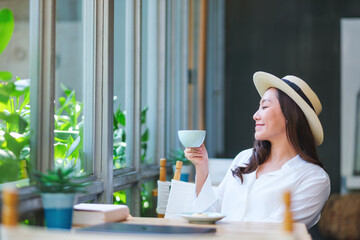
288 166
293 163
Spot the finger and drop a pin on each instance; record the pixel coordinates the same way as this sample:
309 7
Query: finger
195 156
194 150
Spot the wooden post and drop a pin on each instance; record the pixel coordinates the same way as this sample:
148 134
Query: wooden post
288 221
162 176
202 64
177 174
9 207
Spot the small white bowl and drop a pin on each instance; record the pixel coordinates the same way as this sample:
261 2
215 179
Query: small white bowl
191 138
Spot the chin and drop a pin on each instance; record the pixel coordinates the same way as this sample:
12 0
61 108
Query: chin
259 138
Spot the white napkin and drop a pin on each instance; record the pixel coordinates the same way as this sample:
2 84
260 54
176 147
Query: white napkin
181 199
163 196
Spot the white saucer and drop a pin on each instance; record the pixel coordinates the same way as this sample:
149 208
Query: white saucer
202 218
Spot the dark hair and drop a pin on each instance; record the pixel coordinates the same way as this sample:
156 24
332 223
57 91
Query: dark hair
298 133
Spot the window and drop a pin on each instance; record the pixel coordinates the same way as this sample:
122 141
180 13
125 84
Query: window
122 72
109 90
73 85
149 81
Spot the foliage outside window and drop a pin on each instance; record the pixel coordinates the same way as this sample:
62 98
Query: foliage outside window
15 119
14 114
68 128
119 138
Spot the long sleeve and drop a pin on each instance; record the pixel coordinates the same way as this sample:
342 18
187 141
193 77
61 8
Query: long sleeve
210 197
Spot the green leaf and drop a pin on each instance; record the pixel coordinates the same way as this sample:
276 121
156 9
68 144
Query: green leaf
6 116
6 27
120 117
143 115
145 135
73 146
115 123
66 90
26 100
9 170
22 124
13 145
60 150
78 108
21 87
65 104
5 76
3 106
6 91
65 126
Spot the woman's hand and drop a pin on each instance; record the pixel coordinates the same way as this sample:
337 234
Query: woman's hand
199 157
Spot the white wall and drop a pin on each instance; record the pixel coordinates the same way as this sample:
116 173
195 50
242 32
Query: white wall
350 86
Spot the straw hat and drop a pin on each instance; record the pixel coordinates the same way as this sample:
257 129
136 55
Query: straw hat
298 91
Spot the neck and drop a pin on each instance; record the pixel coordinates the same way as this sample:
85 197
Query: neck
281 151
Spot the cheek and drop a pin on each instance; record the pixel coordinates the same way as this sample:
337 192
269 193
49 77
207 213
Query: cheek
277 121
280 123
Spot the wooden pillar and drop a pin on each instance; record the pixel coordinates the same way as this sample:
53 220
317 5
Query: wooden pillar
202 64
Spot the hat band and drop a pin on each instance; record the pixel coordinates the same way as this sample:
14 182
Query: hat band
300 92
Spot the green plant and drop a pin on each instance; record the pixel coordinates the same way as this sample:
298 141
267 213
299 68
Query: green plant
14 113
148 208
119 137
178 155
14 129
68 142
119 197
60 180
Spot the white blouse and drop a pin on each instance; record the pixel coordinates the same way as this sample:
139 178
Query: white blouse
261 200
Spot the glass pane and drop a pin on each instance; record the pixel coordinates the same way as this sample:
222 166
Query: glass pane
72 87
149 84
122 79
148 199
357 136
14 91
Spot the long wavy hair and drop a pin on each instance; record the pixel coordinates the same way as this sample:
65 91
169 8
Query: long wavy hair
297 131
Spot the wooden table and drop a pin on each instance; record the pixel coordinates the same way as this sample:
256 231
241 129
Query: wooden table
226 230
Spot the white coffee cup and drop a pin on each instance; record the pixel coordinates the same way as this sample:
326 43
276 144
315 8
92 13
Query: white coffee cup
191 138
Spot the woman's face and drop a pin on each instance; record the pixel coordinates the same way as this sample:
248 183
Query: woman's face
270 122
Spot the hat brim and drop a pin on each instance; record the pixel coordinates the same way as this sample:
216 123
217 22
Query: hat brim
263 81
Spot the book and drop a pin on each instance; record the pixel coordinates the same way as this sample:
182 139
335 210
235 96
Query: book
93 213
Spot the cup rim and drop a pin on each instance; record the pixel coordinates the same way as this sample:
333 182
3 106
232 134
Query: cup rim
189 130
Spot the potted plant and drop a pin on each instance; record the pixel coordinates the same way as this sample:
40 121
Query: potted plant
58 188
187 169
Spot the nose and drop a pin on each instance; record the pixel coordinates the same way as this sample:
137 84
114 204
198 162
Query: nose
256 115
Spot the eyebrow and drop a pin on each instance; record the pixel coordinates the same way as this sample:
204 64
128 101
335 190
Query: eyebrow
264 100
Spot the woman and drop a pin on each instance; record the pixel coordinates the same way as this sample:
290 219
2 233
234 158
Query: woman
284 157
